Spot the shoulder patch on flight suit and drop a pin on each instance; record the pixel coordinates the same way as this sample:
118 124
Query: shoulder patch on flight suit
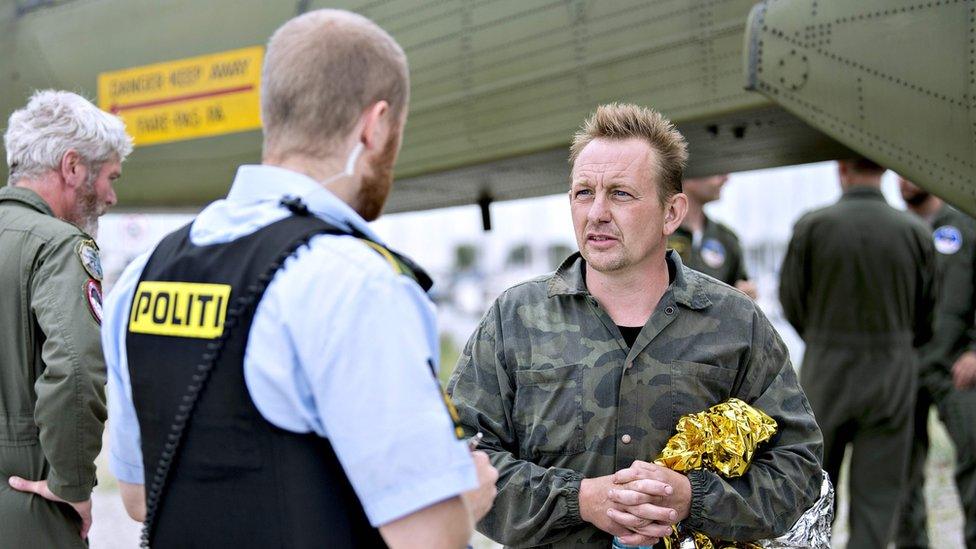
179 309
948 239
93 295
88 255
713 253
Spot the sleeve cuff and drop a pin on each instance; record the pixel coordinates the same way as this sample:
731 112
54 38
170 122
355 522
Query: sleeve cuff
570 494
696 518
69 492
418 495
125 471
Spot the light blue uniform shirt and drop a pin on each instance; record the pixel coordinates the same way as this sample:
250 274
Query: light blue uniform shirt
339 346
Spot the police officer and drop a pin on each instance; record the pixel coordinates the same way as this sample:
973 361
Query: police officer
946 357
278 356
64 155
857 284
707 245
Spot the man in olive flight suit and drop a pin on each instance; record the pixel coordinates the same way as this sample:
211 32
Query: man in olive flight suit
578 378
63 155
706 245
857 284
945 377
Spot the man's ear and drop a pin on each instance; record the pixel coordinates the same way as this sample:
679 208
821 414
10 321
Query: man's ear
376 125
72 170
674 213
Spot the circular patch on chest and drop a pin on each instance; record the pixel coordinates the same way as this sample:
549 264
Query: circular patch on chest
948 239
713 253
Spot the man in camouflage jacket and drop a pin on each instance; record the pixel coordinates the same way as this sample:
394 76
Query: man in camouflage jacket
578 378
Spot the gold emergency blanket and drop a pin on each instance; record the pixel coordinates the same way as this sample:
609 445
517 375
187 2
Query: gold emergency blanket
723 439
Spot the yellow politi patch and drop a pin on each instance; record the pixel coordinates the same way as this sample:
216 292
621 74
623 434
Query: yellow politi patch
179 309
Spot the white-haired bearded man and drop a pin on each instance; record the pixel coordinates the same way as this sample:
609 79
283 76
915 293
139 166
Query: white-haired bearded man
64 155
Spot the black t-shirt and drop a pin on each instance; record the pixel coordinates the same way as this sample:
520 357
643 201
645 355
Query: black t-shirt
630 333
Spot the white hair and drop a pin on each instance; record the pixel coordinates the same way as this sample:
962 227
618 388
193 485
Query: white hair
39 135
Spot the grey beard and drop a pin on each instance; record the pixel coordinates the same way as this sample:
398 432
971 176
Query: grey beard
86 208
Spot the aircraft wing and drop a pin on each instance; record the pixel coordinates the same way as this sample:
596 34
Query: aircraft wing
894 80
498 87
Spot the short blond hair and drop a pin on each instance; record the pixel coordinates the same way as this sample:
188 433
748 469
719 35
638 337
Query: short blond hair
625 121
322 69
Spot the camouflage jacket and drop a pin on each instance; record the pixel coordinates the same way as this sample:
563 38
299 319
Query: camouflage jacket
550 382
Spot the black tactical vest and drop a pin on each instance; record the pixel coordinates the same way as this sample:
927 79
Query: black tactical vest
234 480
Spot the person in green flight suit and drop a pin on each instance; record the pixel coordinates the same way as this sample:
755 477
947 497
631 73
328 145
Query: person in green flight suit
857 283
707 245
64 154
948 363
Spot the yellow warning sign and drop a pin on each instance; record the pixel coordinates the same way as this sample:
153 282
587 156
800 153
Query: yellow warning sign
188 98
179 309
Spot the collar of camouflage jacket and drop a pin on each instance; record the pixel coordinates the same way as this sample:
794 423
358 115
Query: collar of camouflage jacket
27 197
686 287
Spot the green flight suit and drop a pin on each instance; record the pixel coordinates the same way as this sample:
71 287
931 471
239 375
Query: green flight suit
955 242
52 375
857 284
560 396
717 252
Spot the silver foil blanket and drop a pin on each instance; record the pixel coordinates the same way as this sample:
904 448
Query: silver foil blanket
811 531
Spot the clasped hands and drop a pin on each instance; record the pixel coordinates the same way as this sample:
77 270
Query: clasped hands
639 504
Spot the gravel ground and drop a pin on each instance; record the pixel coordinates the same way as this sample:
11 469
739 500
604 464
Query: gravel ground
113 529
